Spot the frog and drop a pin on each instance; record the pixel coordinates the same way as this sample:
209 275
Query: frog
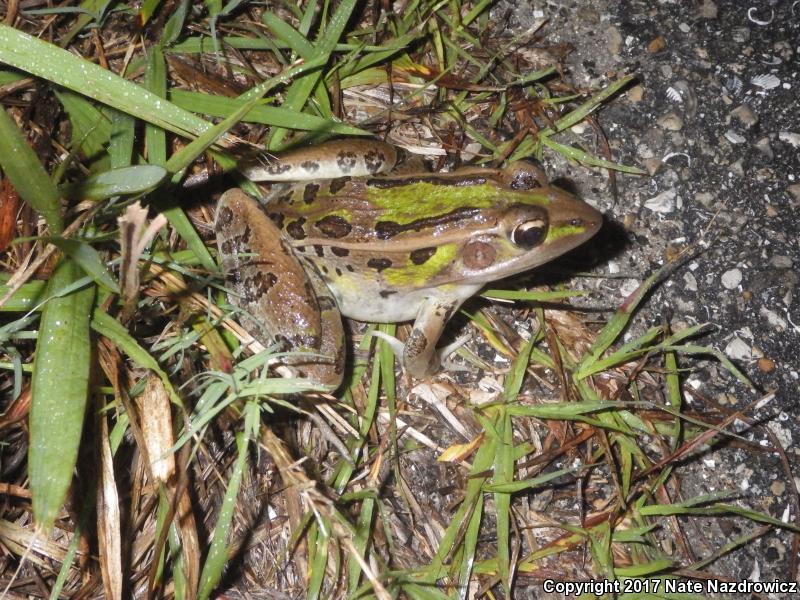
341 230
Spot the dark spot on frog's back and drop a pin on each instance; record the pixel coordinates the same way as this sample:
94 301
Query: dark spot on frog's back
422 255
379 264
340 252
319 250
338 184
245 239
278 168
374 159
296 229
346 161
310 166
386 293
310 193
224 217
334 226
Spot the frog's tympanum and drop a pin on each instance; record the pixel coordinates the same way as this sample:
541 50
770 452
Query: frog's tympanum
345 236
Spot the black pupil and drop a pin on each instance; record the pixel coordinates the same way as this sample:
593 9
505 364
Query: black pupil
529 234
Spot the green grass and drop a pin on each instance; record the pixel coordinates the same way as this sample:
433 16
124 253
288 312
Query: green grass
351 517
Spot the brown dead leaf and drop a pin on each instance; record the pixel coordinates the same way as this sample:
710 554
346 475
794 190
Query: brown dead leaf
9 205
134 236
108 517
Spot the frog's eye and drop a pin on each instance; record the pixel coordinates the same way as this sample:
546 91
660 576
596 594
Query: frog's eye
529 234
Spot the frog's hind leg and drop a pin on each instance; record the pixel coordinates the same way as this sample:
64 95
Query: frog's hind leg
281 302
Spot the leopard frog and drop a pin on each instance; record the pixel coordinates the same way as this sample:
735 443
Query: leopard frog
344 237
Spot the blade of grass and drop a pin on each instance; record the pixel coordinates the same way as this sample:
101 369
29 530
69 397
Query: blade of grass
51 63
117 182
534 296
219 106
91 128
622 317
587 159
108 326
27 175
301 89
218 553
24 299
58 392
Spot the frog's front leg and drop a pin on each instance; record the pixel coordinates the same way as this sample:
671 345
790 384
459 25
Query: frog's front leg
420 356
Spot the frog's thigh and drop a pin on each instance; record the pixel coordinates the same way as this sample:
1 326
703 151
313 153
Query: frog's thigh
275 293
420 358
329 370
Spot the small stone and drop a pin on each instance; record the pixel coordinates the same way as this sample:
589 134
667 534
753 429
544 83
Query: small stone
690 281
636 93
781 432
652 165
745 115
671 122
790 137
629 220
664 202
765 148
738 350
731 279
644 151
734 138
707 10
684 27
766 365
657 45
777 488
737 167
705 198
740 35
773 318
781 262
614 41
747 295
794 191
771 211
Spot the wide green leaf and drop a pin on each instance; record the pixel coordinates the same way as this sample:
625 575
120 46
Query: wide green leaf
58 391
117 182
27 175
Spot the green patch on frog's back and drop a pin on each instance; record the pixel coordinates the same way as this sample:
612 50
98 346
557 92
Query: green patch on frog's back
413 201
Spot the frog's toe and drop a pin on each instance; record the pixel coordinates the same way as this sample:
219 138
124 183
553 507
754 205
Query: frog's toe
396 345
444 353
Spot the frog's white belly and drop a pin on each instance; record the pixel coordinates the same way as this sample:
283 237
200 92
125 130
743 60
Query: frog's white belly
384 306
